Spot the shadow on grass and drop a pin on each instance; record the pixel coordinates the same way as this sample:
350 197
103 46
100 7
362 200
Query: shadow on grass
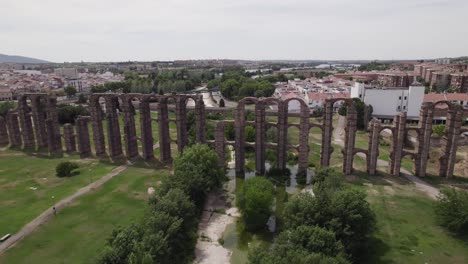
376 248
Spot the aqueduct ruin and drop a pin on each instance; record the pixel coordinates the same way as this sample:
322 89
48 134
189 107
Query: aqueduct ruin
34 124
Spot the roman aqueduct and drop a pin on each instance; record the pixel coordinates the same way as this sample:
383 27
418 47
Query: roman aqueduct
34 124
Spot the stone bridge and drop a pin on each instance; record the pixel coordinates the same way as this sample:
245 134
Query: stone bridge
34 125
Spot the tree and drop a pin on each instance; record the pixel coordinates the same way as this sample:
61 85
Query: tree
65 169
451 209
255 201
438 130
197 172
249 134
68 113
82 99
304 244
70 91
5 106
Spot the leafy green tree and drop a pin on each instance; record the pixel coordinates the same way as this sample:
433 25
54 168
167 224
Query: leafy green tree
82 99
255 201
439 130
249 134
5 106
68 113
451 209
70 91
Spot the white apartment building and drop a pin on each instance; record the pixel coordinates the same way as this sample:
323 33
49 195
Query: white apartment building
386 102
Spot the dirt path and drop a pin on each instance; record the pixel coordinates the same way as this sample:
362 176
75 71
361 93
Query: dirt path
421 185
42 218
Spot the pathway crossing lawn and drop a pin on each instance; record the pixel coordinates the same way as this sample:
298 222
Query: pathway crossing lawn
28 185
78 233
406 228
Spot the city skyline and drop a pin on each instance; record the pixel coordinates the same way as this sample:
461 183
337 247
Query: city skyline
255 30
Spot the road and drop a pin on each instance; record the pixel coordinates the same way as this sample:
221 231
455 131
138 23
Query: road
338 134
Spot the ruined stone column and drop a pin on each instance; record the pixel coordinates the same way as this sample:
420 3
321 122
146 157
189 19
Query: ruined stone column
426 115
181 123
260 138
452 154
14 130
373 146
327 128
350 138
50 137
55 145
130 136
82 135
96 123
164 135
39 120
239 125
147 140
27 132
303 162
400 130
69 138
220 144
3 132
282 144
114 139
200 120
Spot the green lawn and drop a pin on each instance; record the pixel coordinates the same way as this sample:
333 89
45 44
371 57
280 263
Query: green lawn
77 234
406 228
29 186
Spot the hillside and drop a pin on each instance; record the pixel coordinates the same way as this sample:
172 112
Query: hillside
19 59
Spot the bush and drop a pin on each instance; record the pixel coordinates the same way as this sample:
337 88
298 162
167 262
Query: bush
451 210
5 106
438 130
65 169
255 201
305 244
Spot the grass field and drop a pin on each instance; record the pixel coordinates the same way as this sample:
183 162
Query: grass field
29 186
77 234
406 228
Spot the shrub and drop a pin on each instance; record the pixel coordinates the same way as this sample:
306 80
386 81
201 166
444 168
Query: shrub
221 103
5 106
255 201
451 210
438 130
65 169
68 113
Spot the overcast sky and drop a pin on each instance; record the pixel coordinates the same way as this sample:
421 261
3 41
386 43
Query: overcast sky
121 30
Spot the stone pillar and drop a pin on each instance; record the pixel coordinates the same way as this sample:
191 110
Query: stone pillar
55 145
366 116
400 130
114 139
147 140
449 141
220 144
282 144
14 130
181 123
3 132
69 138
96 123
164 135
200 120
260 138
27 132
82 135
39 120
239 126
303 162
373 150
50 137
130 136
327 128
426 115
350 138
